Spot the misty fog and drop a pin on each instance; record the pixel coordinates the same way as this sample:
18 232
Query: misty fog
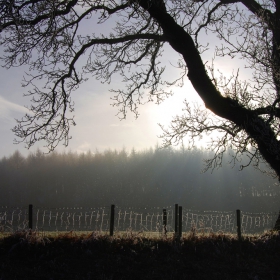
150 178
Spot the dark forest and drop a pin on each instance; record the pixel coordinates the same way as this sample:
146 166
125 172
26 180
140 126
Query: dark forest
150 178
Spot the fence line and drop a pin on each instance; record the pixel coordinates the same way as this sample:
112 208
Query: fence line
114 219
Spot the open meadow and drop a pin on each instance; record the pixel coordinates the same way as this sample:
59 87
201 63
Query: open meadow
89 255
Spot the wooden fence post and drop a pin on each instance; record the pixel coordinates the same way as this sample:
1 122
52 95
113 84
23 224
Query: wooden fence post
112 219
277 223
164 222
238 220
180 220
30 216
176 220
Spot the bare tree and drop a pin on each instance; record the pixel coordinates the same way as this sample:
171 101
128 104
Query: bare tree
49 36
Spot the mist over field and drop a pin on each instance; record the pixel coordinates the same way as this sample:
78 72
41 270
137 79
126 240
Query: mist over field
150 178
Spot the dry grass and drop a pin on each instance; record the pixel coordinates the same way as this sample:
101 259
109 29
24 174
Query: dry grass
89 255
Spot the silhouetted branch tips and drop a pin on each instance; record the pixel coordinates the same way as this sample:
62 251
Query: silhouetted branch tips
243 110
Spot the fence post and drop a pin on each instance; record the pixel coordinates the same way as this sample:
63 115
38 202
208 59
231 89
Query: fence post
176 220
164 222
277 223
180 220
238 220
112 219
30 216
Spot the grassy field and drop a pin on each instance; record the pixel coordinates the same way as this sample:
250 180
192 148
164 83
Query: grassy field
87 255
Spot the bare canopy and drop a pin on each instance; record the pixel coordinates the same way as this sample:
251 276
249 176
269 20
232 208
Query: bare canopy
49 36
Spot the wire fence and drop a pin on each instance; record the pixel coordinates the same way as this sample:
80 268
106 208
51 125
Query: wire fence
132 220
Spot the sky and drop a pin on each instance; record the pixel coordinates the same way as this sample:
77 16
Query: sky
97 127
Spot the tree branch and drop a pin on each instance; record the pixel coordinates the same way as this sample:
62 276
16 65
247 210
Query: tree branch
226 108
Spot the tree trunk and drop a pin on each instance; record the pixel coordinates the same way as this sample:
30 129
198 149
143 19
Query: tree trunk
256 127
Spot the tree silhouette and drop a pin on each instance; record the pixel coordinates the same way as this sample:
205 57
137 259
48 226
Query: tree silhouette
48 36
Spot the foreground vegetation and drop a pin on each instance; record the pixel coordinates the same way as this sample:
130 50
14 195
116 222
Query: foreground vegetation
33 255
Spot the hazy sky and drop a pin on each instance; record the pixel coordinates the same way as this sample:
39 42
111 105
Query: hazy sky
98 127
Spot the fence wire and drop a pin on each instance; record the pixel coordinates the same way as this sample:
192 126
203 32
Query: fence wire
209 221
133 220
66 219
12 219
141 220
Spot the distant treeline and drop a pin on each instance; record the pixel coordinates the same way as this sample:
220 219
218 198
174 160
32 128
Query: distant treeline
154 177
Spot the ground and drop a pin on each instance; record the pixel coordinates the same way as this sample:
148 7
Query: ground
30 255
